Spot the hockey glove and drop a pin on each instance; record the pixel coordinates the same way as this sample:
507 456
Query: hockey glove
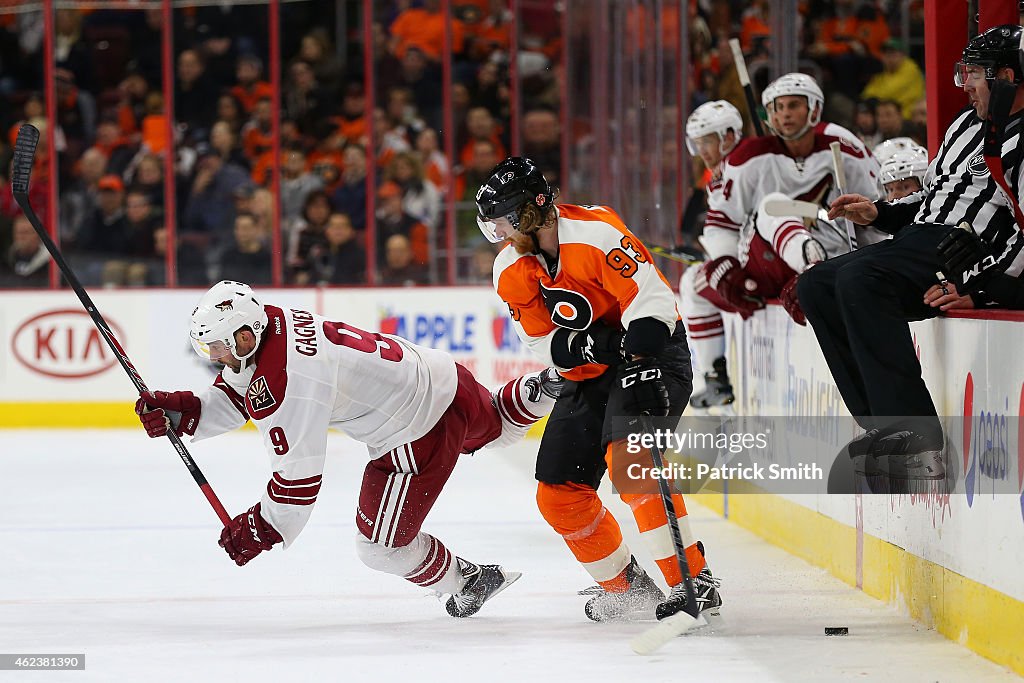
726 276
642 389
966 260
599 343
160 411
248 535
791 303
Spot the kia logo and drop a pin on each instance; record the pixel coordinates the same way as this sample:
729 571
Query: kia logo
64 344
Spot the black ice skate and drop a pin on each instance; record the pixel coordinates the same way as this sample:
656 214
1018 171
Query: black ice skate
910 456
717 389
705 588
642 596
483 582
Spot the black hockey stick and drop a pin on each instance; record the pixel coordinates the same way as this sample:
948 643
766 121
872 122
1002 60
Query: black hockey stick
748 90
24 155
677 624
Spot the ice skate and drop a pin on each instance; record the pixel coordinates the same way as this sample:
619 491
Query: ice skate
705 587
717 389
483 582
642 596
910 456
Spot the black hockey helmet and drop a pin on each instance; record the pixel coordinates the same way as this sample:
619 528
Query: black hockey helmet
513 183
1000 47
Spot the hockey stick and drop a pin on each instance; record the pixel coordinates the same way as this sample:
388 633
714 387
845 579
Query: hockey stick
682 254
840 176
800 209
24 154
676 625
748 90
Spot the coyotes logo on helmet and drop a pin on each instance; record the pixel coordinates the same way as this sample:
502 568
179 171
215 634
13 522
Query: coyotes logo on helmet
224 306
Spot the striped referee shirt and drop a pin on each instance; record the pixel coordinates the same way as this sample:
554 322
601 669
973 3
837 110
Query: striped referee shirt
962 189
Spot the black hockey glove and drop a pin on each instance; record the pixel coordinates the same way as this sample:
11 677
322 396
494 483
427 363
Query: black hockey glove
966 260
599 343
641 387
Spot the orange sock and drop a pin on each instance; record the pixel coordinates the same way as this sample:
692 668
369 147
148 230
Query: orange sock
576 513
649 511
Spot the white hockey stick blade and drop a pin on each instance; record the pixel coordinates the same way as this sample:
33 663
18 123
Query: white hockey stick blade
652 639
794 207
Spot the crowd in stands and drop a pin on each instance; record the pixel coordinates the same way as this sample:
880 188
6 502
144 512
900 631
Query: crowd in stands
111 134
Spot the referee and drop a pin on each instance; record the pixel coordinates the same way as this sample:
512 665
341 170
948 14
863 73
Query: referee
859 304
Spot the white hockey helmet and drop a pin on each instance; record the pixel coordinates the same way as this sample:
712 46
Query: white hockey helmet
887 148
795 84
226 308
910 163
717 117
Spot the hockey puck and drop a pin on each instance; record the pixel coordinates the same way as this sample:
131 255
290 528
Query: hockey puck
837 631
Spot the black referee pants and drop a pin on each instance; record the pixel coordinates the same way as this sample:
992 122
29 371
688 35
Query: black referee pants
859 306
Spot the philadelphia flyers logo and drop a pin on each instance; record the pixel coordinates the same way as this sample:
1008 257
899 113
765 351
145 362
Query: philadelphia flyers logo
568 309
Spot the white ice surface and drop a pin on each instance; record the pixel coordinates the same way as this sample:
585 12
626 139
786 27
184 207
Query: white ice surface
108 548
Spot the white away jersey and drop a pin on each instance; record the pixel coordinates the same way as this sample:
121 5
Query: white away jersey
312 373
758 166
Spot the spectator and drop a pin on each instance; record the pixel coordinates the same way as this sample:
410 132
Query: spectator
485 158
195 95
488 30
352 120
434 162
900 80
305 101
402 114
482 265
140 223
115 146
423 28
71 52
490 90
542 141
400 267
865 126
480 125
76 112
131 107
230 111
306 237
250 89
247 259
343 261
420 198
258 141
423 78
387 140
849 43
224 143
317 51
350 197
105 231
890 119
296 185
25 263
148 177
392 220
210 207
78 200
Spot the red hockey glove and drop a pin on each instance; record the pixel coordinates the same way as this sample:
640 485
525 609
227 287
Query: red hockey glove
160 411
726 276
247 536
791 303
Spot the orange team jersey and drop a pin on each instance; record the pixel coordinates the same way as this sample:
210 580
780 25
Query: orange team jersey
604 273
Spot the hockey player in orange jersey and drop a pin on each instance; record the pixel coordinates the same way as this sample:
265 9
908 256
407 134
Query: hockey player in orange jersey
586 298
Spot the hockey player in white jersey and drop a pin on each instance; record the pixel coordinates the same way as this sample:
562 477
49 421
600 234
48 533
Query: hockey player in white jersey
295 374
904 173
795 162
712 131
